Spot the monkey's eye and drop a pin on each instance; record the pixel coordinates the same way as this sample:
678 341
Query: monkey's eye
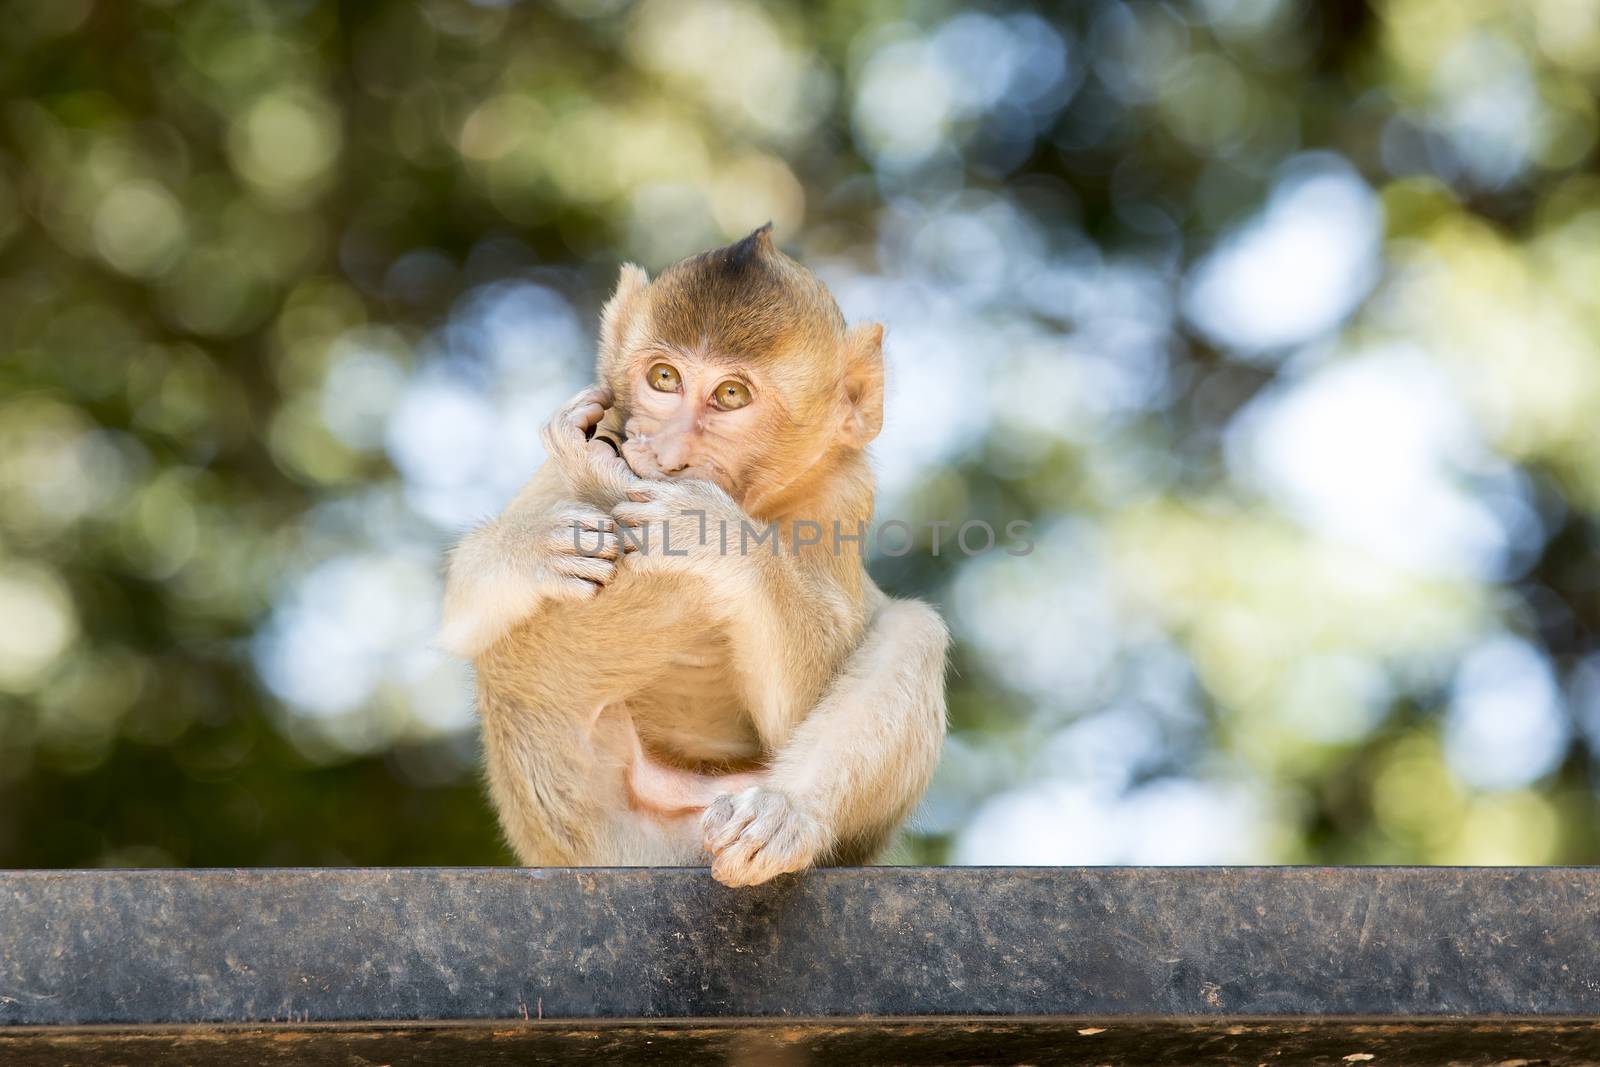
731 394
664 378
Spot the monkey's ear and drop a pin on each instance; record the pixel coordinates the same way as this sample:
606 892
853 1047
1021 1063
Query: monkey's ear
619 310
863 383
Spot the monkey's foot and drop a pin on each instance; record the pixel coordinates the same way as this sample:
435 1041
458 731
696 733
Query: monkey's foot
759 834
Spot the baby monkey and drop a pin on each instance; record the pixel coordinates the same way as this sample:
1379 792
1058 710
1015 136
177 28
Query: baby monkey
680 657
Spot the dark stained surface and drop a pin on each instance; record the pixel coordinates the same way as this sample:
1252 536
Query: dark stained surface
1166 964
928 1043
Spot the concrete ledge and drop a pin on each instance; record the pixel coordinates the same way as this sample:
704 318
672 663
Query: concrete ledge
881 965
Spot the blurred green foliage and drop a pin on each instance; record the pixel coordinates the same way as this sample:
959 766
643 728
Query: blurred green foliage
1279 321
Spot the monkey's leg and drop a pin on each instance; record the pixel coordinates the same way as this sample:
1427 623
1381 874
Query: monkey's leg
558 737
853 768
560 789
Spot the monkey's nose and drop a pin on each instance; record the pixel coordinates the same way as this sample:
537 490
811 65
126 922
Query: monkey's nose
671 457
673 451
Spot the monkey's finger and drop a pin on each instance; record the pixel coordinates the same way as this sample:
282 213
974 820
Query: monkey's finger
594 394
655 491
577 421
578 538
571 425
588 568
562 440
585 544
570 531
585 410
610 547
639 514
586 517
609 462
604 449
566 588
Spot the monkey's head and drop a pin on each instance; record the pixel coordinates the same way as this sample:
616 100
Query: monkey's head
736 366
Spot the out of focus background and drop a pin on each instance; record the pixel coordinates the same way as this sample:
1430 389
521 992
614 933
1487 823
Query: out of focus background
1280 322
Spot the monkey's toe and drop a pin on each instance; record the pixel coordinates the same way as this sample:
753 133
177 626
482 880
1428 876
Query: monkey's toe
725 817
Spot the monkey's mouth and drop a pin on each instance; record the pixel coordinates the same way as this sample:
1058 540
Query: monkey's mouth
643 464
705 472
641 460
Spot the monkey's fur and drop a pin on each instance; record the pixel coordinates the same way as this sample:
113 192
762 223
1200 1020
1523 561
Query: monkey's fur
763 711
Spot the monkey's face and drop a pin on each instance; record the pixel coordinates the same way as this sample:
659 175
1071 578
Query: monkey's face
735 367
689 416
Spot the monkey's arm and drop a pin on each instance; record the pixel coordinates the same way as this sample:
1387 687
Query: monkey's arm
791 627
555 541
504 571
854 767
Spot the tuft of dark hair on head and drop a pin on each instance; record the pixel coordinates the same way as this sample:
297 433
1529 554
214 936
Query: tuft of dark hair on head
743 300
747 252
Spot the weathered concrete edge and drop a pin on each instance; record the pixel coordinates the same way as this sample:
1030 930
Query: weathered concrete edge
161 948
1207 1023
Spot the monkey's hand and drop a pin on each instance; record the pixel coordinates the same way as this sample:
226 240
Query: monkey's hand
759 834
591 468
688 524
499 575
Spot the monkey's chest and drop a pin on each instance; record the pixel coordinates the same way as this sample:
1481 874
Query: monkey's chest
694 713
